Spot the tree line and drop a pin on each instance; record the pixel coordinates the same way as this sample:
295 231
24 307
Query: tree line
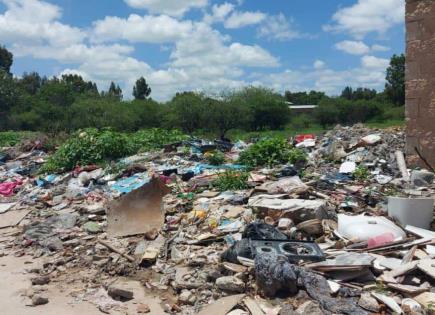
67 103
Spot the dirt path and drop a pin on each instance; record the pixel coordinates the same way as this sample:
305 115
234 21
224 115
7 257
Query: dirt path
65 293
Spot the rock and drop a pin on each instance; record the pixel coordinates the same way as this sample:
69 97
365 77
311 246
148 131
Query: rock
84 178
91 227
231 284
53 243
187 297
309 307
152 234
120 292
369 303
422 178
143 308
39 300
40 280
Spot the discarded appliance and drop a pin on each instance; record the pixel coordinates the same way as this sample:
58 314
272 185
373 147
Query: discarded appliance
295 251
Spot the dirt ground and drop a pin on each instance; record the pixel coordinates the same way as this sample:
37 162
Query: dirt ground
65 297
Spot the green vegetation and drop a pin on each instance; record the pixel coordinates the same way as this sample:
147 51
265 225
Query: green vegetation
216 158
69 103
271 151
92 146
89 147
154 139
361 173
231 180
11 138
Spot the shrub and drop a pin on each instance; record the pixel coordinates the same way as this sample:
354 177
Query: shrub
270 152
215 158
89 146
231 180
152 139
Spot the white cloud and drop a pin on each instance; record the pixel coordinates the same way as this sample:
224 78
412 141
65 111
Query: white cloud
231 18
368 16
170 7
319 64
21 24
278 27
147 29
353 47
370 74
372 62
377 47
241 19
200 57
358 47
206 47
219 12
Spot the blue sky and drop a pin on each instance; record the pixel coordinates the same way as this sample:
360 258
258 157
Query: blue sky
207 45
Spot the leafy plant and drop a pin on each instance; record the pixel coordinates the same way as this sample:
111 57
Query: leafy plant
89 146
11 138
270 152
153 139
215 158
231 180
361 173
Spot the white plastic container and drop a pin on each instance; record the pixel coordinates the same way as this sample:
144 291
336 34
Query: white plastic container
412 211
361 227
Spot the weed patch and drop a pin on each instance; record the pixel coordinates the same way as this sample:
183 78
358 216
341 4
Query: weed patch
270 152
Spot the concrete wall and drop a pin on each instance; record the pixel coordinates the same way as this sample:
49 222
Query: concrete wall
420 80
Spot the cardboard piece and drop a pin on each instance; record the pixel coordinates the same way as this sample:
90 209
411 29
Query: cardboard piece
137 212
12 218
4 207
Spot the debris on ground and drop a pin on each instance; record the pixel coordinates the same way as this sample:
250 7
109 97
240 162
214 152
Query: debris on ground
333 224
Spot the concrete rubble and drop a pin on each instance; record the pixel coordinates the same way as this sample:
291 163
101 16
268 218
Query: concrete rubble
278 247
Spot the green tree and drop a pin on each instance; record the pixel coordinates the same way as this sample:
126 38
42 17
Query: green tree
224 115
188 111
6 59
31 83
326 113
141 89
9 96
347 93
79 85
115 91
268 109
304 98
395 86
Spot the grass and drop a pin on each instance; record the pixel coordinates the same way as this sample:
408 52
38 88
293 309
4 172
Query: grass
291 131
11 138
386 124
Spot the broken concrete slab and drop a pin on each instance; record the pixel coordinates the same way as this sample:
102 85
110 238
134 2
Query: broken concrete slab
222 306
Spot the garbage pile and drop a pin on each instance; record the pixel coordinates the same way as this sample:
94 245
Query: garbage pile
347 232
